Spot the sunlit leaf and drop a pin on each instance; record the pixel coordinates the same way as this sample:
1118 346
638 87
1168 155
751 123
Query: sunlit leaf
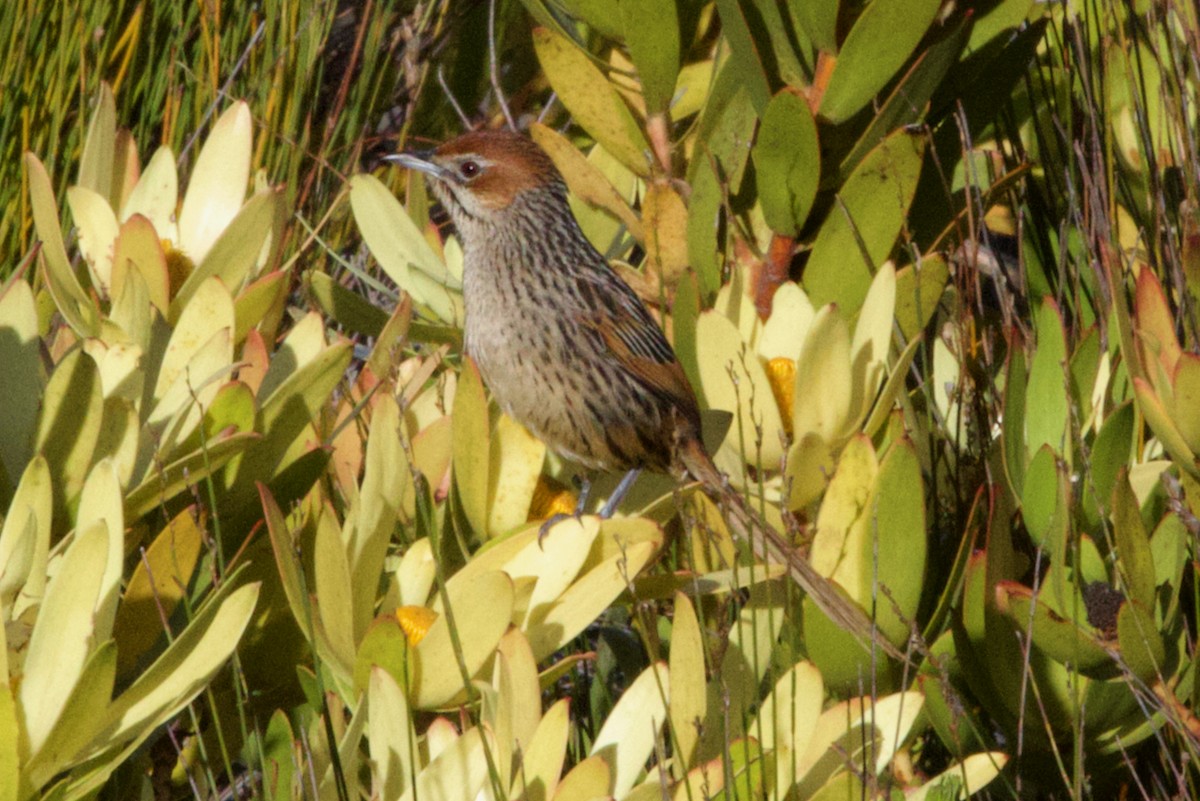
591 99
881 40
218 184
864 223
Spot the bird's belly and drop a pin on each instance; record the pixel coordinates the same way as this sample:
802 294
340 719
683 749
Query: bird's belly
543 375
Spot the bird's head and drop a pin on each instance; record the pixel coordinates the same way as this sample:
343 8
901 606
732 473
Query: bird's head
479 176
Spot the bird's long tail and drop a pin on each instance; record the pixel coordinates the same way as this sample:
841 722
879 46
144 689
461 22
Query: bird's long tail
769 545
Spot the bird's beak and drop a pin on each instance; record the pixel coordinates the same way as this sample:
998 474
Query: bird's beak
420 160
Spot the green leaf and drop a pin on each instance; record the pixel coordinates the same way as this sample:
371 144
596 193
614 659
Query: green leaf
665 216
260 304
705 250
1047 388
10 765
588 596
386 475
346 307
882 39
586 180
897 553
139 250
725 131
165 482
516 458
1065 641
733 379
863 224
543 760
235 252
390 735
1043 504
287 419
1141 644
61 641
100 502
687 682
384 646
482 612
100 146
963 779
471 459
592 100
184 669
455 773
787 162
822 393
652 36
1111 451
69 298
401 250
746 40
1161 423
599 14
1131 545
1016 453
279 766
908 100
787 720
819 19
471 462
83 710
287 560
98 230
201 344
627 738
156 587
218 184
334 589
70 423
156 195
21 391
1185 400
919 288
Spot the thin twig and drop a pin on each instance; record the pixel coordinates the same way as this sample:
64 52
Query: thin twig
494 68
224 90
462 115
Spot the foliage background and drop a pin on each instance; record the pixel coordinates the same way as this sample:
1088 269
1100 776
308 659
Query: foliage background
1014 448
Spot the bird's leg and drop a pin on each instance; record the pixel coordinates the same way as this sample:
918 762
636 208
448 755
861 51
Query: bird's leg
585 488
618 494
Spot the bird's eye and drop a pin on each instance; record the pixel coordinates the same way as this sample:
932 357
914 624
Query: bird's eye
468 169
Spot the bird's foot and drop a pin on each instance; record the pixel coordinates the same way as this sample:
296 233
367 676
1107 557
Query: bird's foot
553 521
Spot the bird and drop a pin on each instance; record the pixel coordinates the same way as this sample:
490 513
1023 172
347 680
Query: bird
569 350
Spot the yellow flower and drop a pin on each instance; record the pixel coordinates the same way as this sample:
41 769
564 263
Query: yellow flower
550 498
415 622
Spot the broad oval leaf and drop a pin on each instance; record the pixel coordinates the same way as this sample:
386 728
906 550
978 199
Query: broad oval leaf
733 379
218 183
62 637
483 610
878 44
399 247
97 232
592 100
862 226
156 195
787 162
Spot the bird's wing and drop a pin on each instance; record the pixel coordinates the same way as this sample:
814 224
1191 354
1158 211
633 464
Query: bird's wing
619 320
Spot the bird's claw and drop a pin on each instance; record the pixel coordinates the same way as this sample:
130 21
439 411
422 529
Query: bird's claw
551 522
